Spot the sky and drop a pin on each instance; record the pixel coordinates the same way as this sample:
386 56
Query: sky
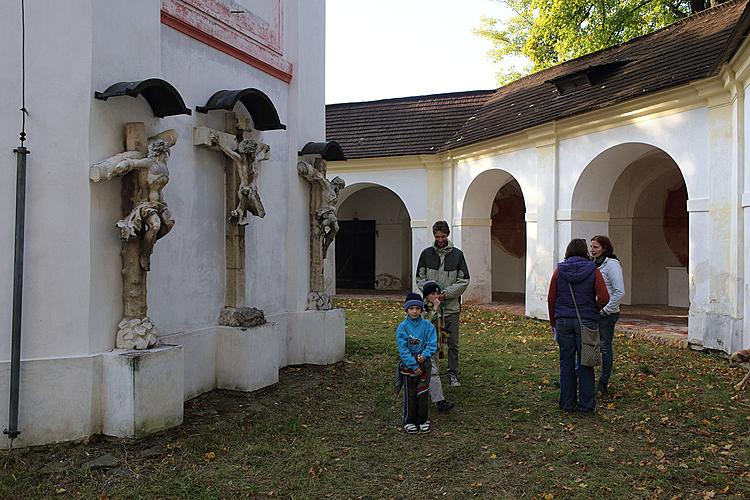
395 48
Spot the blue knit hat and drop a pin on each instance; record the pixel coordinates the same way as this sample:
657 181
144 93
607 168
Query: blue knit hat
413 299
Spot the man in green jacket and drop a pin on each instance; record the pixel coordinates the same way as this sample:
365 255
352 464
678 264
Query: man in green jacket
445 264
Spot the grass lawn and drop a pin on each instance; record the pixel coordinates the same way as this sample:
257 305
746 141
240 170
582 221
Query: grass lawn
670 428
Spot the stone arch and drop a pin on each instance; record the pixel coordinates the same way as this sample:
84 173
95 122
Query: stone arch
493 236
374 222
637 194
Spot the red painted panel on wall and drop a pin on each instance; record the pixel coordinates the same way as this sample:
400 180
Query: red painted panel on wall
229 27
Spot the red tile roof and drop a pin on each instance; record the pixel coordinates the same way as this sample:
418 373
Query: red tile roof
688 50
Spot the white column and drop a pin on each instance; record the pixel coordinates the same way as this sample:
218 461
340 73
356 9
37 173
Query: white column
699 270
621 234
538 258
477 247
542 230
724 319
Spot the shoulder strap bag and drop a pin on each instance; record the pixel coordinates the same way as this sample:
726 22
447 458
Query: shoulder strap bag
591 355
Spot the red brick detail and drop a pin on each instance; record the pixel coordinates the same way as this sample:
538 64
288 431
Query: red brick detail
248 38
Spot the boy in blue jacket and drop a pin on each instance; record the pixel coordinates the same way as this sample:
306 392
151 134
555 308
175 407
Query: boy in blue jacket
416 340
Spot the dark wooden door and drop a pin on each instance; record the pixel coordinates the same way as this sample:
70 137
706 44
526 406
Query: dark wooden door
355 254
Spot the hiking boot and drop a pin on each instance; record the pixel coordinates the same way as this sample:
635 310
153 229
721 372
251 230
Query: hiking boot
425 427
445 406
410 428
453 380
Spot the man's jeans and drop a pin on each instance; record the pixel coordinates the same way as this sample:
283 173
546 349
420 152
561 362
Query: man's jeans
606 334
574 381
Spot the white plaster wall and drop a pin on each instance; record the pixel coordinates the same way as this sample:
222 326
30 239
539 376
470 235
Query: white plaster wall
58 93
116 56
392 256
408 184
474 192
508 271
305 123
682 136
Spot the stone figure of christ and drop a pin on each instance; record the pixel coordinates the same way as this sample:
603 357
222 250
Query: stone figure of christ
150 216
246 158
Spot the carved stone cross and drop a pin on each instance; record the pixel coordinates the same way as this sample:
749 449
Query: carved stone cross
323 225
244 155
146 218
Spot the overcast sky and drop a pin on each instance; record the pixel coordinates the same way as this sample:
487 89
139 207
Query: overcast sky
396 48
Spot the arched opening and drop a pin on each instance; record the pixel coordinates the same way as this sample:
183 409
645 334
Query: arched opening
493 237
373 245
637 195
508 240
649 229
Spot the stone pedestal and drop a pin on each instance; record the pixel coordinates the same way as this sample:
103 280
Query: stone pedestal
142 390
679 292
322 340
247 359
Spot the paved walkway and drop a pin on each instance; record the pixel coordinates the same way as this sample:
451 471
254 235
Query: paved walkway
655 323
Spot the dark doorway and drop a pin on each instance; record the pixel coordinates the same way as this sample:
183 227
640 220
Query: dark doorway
355 254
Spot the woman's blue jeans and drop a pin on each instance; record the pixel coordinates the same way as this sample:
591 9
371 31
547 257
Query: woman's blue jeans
574 382
606 334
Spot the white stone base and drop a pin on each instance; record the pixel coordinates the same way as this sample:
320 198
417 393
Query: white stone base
55 400
247 359
316 337
142 390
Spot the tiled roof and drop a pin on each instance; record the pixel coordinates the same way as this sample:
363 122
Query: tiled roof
403 126
689 50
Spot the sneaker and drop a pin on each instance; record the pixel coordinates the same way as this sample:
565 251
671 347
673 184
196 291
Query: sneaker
410 428
453 380
425 427
445 406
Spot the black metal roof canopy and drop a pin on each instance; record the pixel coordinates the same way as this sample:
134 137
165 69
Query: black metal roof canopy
258 104
160 94
329 151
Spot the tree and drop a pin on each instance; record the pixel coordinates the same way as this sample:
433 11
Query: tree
548 32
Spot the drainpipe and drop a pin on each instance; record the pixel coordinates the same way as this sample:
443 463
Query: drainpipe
15 349
15 345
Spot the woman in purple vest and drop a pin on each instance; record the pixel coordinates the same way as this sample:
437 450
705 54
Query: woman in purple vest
579 274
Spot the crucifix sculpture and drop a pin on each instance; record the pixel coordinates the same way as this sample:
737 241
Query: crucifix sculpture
323 225
146 218
242 197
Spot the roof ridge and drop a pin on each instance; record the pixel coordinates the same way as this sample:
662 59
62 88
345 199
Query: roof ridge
679 22
462 93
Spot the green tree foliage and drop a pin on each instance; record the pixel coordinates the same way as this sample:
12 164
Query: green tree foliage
548 32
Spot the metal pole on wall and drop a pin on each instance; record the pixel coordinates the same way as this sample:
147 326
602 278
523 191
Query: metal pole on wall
15 349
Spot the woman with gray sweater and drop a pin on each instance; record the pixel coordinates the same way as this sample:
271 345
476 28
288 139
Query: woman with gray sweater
608 264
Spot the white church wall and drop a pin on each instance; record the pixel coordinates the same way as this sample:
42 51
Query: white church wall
72 285
56 267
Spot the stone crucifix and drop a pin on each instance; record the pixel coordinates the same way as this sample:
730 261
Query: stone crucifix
242 197
146 218
323 225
